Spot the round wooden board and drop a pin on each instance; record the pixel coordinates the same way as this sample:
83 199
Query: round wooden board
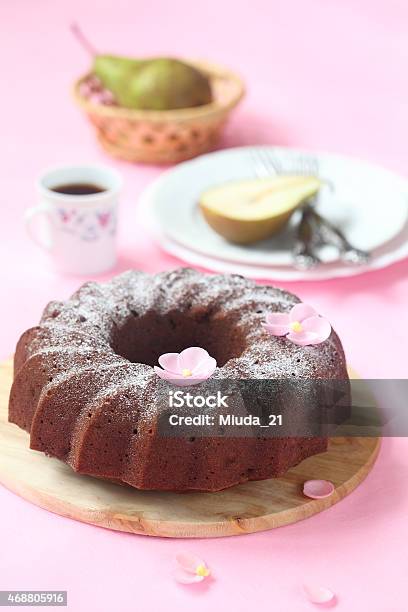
246 508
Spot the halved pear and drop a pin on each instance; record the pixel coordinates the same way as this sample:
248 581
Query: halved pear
251 210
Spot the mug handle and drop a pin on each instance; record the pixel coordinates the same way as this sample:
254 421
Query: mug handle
29 216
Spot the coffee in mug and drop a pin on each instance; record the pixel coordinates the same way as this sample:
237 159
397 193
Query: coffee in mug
78 205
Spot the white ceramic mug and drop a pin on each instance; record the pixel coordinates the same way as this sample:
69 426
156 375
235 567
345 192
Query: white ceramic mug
79 231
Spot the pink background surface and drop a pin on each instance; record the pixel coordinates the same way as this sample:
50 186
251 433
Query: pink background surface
328 75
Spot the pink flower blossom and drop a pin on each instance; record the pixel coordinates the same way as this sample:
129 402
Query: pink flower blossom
190 367
190 569
302 325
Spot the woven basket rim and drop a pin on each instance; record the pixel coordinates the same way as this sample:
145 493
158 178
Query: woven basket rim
179 114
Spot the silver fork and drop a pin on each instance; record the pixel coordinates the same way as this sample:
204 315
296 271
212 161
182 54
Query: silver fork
307 239
313 228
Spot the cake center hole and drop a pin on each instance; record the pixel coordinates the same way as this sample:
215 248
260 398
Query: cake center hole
142 339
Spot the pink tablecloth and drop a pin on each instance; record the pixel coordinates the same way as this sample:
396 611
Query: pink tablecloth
329 75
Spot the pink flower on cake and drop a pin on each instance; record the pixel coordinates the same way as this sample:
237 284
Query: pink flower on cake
190 569
302 325
190 367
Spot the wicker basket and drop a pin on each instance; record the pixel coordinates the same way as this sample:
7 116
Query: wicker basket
165 136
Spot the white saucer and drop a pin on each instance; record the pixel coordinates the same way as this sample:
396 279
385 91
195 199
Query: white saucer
368 202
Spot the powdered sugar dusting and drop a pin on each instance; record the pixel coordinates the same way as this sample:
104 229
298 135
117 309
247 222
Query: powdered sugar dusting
73 348
90 317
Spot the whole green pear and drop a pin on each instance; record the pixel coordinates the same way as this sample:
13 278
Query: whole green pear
164 84
153 84
112 70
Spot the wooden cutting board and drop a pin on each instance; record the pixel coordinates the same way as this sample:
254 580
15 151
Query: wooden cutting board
246 508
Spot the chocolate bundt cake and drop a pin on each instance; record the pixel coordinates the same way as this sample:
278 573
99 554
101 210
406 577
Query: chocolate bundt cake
85 386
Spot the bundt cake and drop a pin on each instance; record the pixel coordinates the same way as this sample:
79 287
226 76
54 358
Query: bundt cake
84 380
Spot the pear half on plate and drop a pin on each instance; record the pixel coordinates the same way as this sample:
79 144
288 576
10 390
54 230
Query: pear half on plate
251 210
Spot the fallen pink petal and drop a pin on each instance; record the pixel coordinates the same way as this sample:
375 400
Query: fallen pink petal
318 594
190 569
318 489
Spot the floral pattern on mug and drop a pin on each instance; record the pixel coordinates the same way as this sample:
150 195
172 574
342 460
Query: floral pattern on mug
88 226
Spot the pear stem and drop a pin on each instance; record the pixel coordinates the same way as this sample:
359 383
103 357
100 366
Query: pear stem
81 38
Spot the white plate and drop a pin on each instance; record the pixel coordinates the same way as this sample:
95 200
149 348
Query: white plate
396 250
368 202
